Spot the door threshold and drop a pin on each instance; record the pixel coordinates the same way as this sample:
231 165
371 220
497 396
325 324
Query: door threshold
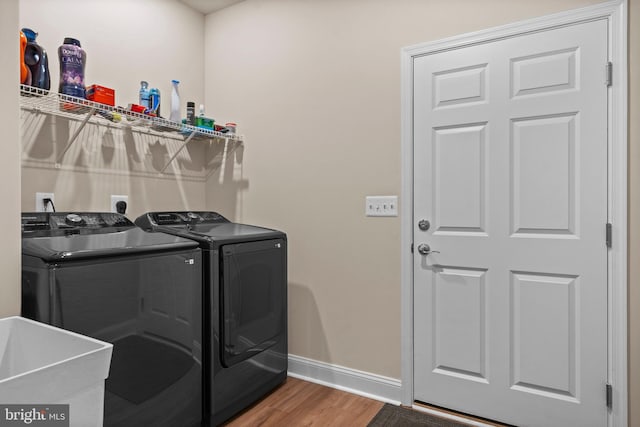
456 416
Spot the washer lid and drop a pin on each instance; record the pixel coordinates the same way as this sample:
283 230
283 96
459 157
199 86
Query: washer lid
70 236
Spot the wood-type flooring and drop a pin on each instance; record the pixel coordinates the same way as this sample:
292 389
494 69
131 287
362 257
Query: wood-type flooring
298 403
301 403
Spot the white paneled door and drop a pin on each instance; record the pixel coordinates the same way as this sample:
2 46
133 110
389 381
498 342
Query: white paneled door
510 169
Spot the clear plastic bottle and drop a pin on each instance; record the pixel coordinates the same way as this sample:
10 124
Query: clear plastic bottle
144 95
200 118
174 116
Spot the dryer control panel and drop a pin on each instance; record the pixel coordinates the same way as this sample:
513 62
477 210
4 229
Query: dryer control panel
179 218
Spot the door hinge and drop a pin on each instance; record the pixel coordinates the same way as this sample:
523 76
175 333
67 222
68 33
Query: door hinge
412 248
609 74
609 393
608 238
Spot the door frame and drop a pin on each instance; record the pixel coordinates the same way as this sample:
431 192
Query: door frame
615 12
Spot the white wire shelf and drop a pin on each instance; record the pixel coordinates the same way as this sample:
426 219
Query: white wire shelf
49 102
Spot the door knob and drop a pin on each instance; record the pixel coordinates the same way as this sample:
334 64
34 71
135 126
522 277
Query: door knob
425 249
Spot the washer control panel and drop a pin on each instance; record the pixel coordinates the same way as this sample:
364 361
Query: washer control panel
49 221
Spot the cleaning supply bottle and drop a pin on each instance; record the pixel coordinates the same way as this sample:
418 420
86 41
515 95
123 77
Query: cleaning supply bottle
154 101
204 122
37 60
191 113
200 118
24 70
72 62
174 116
144 95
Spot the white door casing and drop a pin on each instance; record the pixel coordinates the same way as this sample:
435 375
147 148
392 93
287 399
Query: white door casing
511 161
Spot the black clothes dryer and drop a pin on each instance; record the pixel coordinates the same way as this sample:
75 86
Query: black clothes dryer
99 275
245 282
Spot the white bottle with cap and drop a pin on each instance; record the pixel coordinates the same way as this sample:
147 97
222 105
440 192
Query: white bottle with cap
174 116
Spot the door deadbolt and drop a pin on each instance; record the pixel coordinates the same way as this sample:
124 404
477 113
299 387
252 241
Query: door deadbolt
424 225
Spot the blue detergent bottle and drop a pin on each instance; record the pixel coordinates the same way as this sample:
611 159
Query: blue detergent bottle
35 56
154 101
72 62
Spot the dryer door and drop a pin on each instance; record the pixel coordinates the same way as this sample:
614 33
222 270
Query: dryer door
254 298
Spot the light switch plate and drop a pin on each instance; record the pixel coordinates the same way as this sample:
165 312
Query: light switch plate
381 206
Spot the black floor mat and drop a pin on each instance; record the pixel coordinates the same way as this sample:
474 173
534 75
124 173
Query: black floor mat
396 416
142 368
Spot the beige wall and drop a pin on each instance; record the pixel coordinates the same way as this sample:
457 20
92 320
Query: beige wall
315 88
126 42
92 192
9 162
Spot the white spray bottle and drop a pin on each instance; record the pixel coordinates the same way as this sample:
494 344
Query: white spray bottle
175 102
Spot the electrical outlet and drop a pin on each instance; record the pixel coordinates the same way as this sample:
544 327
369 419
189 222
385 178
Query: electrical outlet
381 206
40 205
118 198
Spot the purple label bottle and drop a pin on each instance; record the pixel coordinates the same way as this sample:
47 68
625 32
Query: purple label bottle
72 61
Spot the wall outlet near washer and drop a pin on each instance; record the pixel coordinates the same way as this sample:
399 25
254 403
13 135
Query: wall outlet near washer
40 205
118 198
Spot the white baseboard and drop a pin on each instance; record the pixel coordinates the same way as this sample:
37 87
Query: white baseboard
364 384
372 386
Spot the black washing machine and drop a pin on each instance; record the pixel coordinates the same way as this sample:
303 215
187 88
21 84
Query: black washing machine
99 275
245 282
